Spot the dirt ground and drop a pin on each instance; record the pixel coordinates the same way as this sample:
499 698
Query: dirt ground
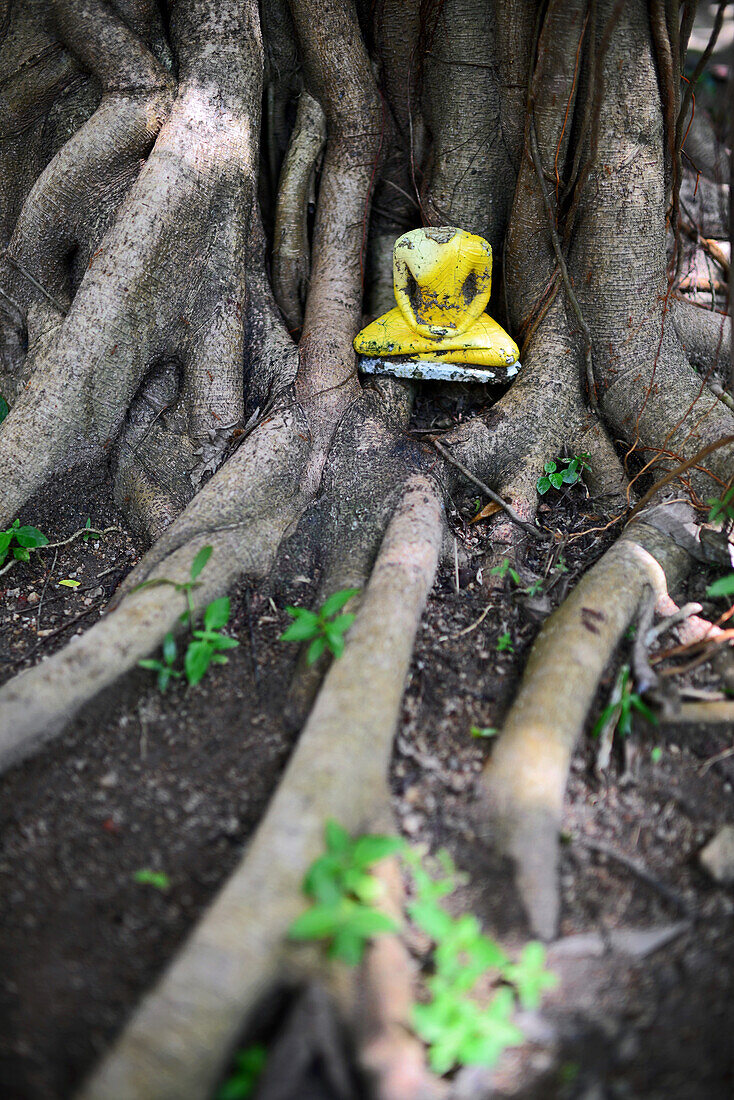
177 782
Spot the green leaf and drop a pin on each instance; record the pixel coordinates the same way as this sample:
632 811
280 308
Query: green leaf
483 731
316 923
317 647
31 537
341 623
570 476
543 485
4 410
334 640
169 648
656 754
323 881
366 921
200 561
338 840
146 877
217 613
151 663
372 847
644 710
249 1065
6 537
431 919
723 587
556 480
164 679
197 660
550 467
348 947
68 583
336 602
21 554
306 626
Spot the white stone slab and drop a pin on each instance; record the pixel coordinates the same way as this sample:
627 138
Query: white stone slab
432 370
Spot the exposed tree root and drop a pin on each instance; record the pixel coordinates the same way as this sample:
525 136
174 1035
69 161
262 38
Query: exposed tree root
233 514
291 253
178 1042
525 778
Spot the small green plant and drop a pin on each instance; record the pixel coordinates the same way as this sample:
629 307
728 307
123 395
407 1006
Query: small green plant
656 754
504 643
723 587
483 731
248 1066
324 628
206 644
18 542
4 410
166 668
623 702
343 893
722 508
157 879
567 471
504 569
460 1027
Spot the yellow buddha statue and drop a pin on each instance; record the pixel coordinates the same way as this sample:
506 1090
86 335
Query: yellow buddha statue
442 280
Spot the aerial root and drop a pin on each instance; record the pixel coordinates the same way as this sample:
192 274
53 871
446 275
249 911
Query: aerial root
296 189
177 1043
525 779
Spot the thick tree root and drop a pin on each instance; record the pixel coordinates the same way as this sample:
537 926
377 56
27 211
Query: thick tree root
234 515
178 1042
525 778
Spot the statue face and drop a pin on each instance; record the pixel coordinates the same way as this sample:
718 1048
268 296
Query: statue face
442 279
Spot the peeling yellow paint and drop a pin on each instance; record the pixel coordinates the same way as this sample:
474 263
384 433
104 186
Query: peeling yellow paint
442 280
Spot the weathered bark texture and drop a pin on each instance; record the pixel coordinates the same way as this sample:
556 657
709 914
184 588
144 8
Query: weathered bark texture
197 209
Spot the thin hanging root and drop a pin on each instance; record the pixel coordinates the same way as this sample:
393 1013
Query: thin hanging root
525 778
291 259
178 1042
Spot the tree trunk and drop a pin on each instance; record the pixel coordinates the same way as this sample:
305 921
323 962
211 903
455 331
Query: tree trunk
182 278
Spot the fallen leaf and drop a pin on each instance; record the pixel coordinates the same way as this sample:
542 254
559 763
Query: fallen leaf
487 511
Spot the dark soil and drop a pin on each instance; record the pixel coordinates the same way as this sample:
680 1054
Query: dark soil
176 783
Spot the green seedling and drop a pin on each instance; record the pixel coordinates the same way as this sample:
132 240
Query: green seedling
723 587
325 629
343 893
4 410
569 471
17 542
722 508
504 569
157 879
248 1066
460 1027
504 644
623 702
484 731
166 668
206 644
656 754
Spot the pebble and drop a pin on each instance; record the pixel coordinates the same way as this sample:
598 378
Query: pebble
717 858
33 597
109 780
